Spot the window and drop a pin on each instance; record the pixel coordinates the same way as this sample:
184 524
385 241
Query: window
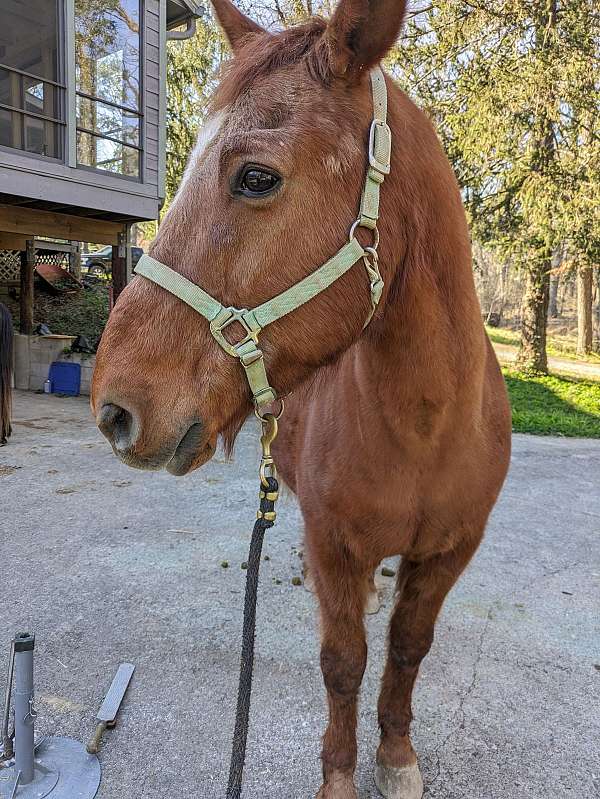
32 93
107 57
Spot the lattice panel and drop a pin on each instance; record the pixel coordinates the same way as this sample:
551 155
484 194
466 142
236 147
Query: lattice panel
10 265
58 258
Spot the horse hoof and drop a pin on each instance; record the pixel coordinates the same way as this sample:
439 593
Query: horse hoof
338 786
399 783
373 603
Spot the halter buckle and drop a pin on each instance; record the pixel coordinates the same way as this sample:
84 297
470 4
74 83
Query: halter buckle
226 317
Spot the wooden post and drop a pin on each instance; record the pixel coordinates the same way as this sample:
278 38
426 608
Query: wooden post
27 267
75 259
121 263
119 272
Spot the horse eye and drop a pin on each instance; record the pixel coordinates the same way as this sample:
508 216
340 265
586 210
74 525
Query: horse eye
257 182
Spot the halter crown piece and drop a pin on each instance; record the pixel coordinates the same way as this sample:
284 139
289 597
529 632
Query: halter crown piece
254 320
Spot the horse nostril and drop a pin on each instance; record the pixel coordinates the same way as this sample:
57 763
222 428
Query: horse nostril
118 425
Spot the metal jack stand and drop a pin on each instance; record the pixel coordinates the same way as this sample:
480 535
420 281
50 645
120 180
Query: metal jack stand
56 767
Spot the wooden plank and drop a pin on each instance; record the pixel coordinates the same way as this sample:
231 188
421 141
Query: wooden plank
26 298
152 84
31 222
12 241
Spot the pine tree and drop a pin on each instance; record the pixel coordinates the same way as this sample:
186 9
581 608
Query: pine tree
513 87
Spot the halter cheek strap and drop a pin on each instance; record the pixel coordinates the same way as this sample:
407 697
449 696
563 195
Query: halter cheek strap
254 320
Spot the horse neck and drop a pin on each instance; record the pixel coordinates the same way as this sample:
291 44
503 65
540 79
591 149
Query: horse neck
428 338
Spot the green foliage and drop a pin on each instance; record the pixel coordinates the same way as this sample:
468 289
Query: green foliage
514 90
554 406
81 313
191 68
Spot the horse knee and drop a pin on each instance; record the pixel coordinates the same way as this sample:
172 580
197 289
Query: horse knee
406 654
343 670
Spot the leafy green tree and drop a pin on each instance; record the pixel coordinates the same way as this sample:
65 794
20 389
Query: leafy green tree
513 87
191 68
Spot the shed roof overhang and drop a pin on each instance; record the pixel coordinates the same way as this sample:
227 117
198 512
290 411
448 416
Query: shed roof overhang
180 12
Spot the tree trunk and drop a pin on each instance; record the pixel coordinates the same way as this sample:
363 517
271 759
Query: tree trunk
534 314
597 310
585 276
532 355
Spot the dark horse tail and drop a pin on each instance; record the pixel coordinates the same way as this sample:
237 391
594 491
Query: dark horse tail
6 357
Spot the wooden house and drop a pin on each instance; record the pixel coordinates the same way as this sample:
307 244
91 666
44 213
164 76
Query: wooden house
82 123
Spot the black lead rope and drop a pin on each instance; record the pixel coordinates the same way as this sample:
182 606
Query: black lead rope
265 520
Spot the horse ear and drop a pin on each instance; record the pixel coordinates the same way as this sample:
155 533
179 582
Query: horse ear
361 32
235 24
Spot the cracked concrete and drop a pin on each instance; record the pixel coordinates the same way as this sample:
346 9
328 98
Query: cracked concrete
108 564
460 712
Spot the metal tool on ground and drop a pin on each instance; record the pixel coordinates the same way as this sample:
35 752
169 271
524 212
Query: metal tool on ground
107 715
59 768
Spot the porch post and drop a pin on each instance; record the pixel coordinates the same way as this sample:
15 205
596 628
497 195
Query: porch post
27 267
75 259
120 258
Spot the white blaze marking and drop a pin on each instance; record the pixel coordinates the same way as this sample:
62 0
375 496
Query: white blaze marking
208 133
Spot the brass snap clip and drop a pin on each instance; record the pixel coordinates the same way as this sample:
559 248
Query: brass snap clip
267 464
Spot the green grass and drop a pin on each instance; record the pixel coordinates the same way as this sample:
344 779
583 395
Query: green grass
553 405
557 346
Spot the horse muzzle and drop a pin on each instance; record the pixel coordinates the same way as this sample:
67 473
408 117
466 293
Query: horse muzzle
183 452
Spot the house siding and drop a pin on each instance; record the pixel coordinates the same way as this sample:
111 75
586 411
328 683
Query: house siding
26 176
152 61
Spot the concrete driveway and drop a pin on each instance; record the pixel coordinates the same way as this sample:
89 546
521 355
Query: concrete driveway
106 564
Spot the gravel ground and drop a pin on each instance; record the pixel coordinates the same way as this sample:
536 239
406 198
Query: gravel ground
106 565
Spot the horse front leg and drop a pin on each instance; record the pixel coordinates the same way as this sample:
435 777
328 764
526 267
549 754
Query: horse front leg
342 585
421 590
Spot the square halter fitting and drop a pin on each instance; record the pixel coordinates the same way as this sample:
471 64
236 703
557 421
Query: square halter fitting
227 317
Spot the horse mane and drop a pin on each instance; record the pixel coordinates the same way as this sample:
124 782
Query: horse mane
6 356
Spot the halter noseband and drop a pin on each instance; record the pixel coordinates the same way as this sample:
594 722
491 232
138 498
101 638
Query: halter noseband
254 320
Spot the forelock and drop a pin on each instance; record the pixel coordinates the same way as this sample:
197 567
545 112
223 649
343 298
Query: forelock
263 55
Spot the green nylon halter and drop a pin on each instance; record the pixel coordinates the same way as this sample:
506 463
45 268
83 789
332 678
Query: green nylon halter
254 320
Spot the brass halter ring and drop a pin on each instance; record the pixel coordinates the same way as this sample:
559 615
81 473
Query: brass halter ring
374 231
262 417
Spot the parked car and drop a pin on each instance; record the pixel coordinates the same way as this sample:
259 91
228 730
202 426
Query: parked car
100 263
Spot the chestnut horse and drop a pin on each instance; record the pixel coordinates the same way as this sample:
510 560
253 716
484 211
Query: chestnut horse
396 436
